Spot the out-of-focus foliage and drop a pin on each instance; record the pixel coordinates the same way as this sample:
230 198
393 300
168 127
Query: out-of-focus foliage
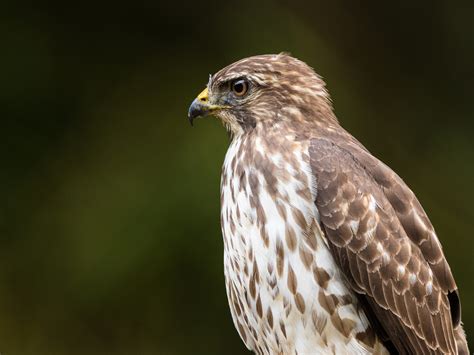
109 221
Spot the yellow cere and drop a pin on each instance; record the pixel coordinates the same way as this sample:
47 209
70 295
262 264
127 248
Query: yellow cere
203 96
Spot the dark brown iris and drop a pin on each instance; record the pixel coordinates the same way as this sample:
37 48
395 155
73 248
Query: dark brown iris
239 87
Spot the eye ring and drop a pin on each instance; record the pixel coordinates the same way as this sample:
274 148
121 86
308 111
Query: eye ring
239 87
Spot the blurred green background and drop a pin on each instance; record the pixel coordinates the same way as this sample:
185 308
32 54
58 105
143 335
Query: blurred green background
109 223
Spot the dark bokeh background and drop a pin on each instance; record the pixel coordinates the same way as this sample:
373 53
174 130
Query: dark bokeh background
109 222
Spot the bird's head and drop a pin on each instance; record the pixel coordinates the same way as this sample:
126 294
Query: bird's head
265 89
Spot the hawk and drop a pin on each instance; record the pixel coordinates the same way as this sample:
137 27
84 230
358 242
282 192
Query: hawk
326 249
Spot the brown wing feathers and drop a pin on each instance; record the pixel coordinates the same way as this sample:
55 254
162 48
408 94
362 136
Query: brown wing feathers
410 214
387 248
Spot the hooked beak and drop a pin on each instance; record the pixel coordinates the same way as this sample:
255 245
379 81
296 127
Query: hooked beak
201 107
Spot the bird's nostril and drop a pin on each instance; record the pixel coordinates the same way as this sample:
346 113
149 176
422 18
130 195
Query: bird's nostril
203 99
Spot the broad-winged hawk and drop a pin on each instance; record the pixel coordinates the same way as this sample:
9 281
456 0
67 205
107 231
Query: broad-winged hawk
326 249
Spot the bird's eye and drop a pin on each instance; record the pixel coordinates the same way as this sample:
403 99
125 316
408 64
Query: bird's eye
239 87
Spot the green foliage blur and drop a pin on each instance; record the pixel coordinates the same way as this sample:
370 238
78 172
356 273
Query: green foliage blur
109 223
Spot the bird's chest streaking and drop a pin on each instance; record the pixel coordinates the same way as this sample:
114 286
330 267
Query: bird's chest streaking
285 291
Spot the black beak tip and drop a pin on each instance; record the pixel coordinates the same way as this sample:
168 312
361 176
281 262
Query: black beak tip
191 115
195 110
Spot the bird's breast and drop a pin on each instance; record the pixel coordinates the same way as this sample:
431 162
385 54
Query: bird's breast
285 290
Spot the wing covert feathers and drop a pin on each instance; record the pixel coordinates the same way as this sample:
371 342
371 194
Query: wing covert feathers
387 247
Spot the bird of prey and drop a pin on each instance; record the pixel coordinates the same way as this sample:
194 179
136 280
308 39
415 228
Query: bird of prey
326 249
